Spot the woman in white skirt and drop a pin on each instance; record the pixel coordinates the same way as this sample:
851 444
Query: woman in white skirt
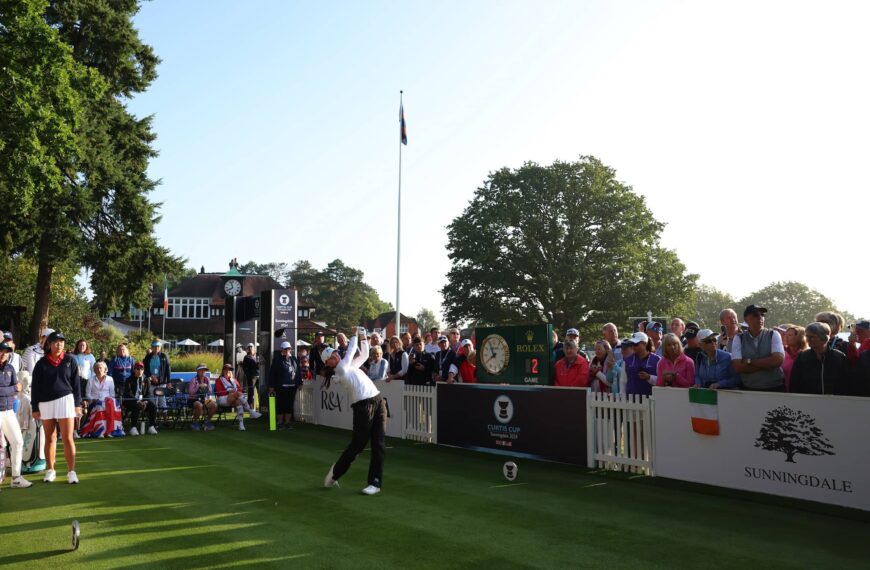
9 389
56 396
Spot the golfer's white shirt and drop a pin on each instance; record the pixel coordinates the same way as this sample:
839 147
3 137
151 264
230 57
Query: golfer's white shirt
349 375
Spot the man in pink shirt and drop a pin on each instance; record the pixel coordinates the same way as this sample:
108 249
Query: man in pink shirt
859 340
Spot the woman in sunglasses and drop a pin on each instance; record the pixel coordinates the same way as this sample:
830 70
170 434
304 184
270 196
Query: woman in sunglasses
714 368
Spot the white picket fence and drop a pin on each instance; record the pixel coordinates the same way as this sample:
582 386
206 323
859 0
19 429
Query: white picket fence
303 407
620 432
420 412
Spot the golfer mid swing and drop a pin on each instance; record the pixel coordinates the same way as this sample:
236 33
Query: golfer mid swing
369 411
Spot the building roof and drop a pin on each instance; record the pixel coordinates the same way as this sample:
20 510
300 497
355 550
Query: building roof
211 285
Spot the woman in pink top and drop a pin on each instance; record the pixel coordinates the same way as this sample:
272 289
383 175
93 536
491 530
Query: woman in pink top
794 341
675 368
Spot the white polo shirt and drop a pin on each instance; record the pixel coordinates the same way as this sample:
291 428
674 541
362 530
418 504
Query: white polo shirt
349 375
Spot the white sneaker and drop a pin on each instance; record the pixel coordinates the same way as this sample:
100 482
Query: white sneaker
20 483
134 432
371 490
242 426
50 476
255 414
76 435
330 481
72 477
152 430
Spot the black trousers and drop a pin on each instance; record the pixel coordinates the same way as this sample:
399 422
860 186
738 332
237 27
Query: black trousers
285 397
369 423
134 409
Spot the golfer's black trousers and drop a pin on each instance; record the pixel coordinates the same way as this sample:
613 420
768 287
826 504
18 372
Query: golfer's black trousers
369 423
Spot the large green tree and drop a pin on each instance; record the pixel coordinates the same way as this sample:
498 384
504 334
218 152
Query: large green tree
96 213
790 302
567 244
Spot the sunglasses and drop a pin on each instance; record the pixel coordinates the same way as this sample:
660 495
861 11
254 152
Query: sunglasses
709 340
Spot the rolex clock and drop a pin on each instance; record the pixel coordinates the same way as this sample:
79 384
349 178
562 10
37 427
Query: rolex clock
232 287
495 354
514 354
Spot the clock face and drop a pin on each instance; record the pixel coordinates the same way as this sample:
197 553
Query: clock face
233 287
495 354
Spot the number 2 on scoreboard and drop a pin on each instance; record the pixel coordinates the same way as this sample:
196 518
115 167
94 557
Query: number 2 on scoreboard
534 366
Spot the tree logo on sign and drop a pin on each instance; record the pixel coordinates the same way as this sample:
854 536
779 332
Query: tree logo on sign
792 432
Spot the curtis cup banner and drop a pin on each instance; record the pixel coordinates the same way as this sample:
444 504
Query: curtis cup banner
538 422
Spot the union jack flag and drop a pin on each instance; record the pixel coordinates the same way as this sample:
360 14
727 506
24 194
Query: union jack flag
98 422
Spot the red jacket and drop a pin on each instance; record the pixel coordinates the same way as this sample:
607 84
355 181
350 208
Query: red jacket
221 390
574 375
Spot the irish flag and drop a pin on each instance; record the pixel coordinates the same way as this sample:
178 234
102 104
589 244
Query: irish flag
705 411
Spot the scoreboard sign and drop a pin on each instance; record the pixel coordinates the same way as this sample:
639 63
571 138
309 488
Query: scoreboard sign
514 354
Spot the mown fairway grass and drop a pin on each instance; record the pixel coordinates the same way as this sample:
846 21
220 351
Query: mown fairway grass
232 499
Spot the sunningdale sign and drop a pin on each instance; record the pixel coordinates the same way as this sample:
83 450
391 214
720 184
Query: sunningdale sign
801 446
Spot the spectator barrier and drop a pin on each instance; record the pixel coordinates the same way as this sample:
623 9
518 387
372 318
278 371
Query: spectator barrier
620 432
801 446
795 445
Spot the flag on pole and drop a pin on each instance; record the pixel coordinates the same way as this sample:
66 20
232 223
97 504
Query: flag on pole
165 296
705 411
403 131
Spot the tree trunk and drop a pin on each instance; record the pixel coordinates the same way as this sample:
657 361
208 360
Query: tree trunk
43 299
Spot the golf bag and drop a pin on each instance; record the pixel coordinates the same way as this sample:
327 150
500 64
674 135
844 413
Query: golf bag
33 452
104 421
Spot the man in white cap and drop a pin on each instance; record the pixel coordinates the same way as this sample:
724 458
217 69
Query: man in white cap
34 352
369 411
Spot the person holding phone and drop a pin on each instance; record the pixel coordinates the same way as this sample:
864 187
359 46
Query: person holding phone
369 411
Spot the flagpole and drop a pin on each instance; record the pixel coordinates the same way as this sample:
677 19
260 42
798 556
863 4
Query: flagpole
165 310
399 219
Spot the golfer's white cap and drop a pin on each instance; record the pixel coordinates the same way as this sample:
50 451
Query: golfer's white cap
46 332
284 345
326 353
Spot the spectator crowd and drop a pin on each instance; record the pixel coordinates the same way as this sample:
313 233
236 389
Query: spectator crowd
74 394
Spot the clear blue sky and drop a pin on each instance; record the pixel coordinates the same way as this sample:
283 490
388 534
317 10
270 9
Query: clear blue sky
278 133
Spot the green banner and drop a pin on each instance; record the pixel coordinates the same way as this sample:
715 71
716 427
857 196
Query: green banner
514 355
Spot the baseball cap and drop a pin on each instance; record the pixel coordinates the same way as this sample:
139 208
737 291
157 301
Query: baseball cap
250 345
284 345
142 365
7 335
228 366
200 367
56 335
442 338
625 343
6 347
326 353
862 324
465 342
655 326
574 332
706 333
156 343
639 338
46 332
751 309
691 332
320 333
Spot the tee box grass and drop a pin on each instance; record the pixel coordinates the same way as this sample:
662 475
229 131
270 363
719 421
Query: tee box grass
242 499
